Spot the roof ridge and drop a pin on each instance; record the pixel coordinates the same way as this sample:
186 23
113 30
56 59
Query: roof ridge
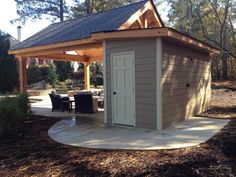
87 15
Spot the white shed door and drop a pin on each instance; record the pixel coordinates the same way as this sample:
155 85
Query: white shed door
123 88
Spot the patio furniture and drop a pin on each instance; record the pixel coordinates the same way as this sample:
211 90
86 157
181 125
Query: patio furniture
85 103
69 102
100 101
59 103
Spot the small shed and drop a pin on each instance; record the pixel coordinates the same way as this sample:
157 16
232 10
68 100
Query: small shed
154 76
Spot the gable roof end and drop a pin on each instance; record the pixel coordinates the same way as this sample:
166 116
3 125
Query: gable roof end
149 6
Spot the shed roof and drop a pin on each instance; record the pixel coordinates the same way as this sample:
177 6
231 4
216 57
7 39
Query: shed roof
131 21
83 27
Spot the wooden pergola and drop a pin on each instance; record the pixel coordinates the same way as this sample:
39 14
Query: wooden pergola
84 53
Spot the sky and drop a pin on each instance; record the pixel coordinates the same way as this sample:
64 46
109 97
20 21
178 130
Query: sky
8 13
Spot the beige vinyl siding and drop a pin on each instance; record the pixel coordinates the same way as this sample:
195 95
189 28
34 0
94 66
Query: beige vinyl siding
145 76
182 65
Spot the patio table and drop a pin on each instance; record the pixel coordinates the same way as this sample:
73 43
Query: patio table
70 102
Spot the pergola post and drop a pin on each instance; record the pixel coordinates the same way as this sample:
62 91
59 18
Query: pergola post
22 75
87 76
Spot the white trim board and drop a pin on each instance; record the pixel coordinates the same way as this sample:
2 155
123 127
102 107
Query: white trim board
104 82
158 83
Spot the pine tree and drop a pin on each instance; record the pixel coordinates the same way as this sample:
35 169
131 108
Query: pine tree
94 6
34 9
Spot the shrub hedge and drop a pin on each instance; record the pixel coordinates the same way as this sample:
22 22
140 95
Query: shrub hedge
13 111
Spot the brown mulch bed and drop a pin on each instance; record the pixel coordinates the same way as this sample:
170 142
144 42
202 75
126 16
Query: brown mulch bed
34 154
229 85
223 101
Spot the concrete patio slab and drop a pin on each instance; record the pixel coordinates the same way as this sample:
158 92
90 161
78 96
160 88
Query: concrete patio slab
81 132
87 130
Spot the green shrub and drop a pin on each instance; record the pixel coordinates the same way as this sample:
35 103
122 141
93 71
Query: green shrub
52 75
13 112
24 104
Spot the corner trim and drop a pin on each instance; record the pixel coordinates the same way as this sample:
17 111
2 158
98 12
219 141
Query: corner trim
158 83
104 82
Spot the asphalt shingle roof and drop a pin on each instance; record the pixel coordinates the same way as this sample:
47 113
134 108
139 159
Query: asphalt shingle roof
82 27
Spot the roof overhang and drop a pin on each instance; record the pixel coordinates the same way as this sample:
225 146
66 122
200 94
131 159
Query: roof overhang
96 39
157 32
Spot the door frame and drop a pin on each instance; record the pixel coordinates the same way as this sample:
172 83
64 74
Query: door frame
134 89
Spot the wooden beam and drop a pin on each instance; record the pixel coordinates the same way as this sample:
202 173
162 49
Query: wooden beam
156 15
190 41
87 76
155 32
135 17
63 57
22 75
140 23
125 34
73 44
145 20
59 50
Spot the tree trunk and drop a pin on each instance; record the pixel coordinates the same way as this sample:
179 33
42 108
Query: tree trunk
224 59
217 71
189 16
61 10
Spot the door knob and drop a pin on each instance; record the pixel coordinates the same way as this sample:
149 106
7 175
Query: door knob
114 93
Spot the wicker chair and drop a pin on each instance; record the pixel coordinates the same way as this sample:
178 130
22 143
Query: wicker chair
85 103
58 102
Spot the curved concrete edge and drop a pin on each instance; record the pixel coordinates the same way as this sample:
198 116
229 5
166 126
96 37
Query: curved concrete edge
191 132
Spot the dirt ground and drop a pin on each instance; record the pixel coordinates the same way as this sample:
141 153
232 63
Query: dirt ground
223 100
33 153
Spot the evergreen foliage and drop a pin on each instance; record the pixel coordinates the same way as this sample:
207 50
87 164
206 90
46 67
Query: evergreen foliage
34 9
93 6
63 70
13 110
52 75
33 74
8 66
